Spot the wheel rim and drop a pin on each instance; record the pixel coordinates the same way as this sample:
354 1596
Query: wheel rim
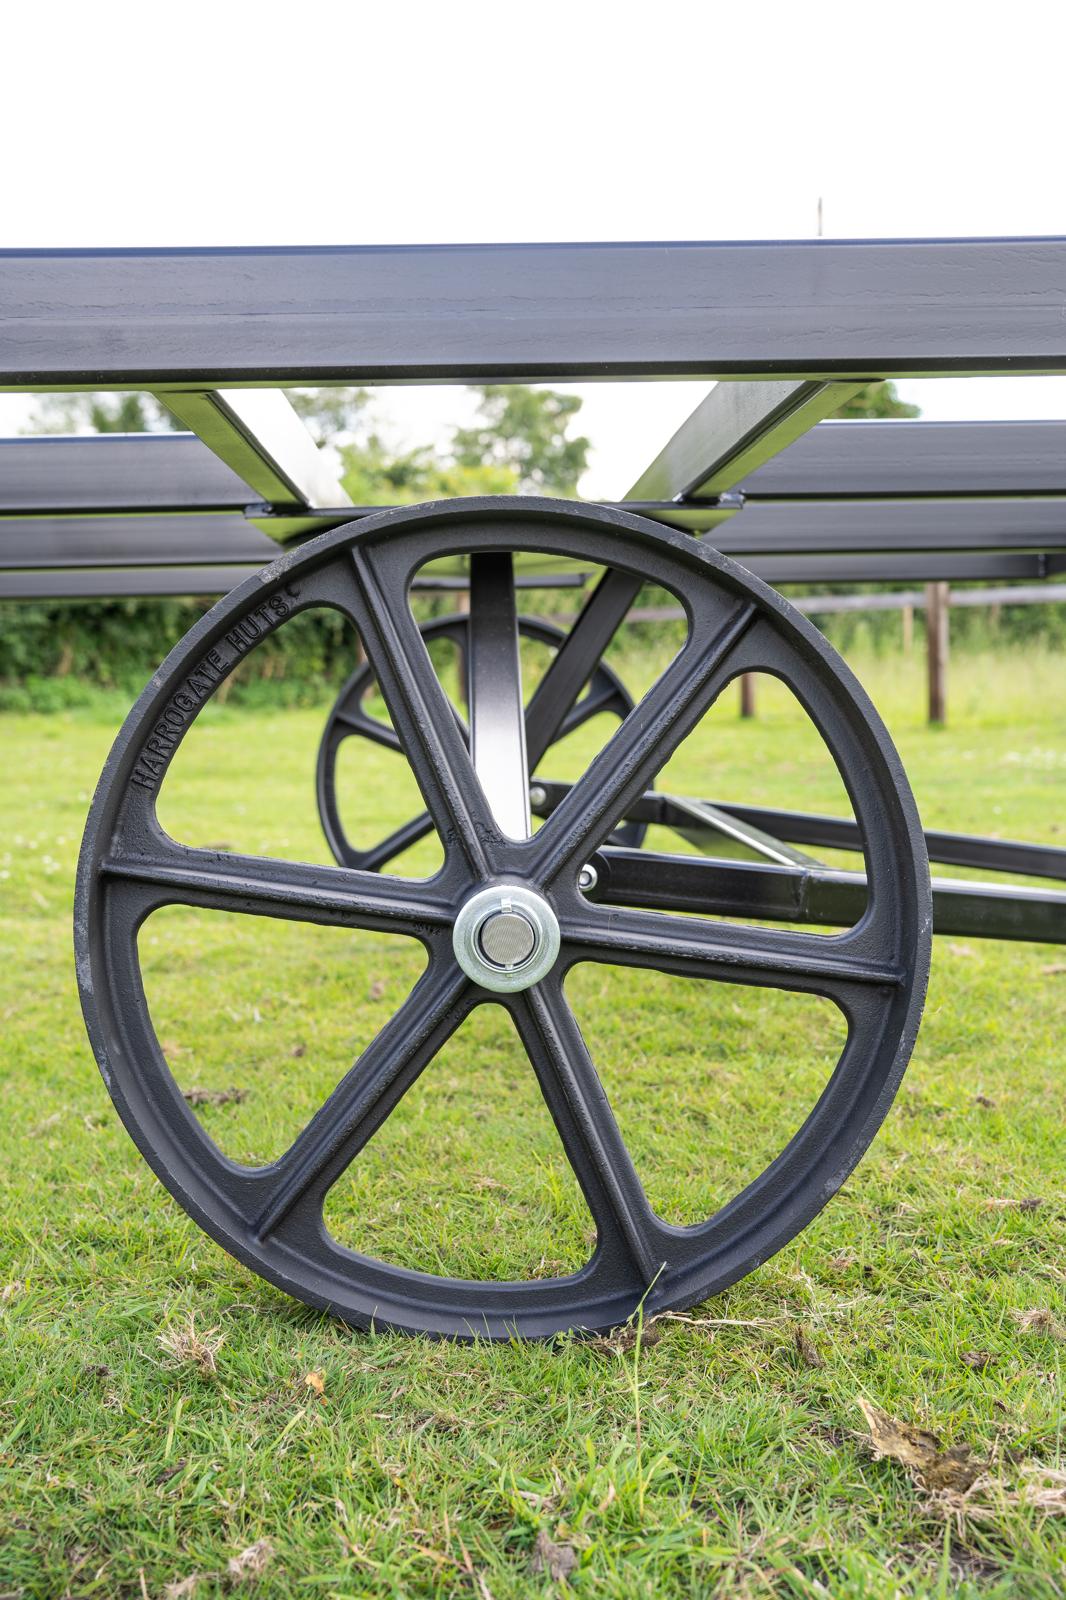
271 1217
350 719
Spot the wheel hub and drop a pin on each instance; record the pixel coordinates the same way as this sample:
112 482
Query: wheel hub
506 938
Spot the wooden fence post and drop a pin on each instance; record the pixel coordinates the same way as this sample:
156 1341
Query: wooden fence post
907 612
936 643
747 694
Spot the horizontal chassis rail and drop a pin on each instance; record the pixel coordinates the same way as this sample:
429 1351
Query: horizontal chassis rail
798 527
161 572
880 461
215 318
947 849
91 474
69 487
144 582
818 895
890 458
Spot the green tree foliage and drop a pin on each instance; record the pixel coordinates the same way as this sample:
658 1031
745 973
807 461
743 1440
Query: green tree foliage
374 476
528 431
330 414
100 413
878 400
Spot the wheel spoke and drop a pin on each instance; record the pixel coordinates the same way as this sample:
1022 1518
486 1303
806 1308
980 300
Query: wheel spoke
577 658
642 745
587 1127
367 1094
594 704
494 693
424 719
698 948
266 887
362 722
369 727
379 855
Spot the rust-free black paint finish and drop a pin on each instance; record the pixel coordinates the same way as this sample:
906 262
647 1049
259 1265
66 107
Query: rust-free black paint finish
271 1217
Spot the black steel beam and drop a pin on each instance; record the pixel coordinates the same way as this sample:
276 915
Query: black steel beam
166 577
52 475
819 896
72 566
994 483
812 527
194 318
831 529
853 460
909 567
715 831
113 583
801 529
805 525
805 529
897 524
74 542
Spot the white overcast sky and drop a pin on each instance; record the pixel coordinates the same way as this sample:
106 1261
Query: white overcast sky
320 123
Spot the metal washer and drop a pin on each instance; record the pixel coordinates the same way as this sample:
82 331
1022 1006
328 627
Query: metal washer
506 938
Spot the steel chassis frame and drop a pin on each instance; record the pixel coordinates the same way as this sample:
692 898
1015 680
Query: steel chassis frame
794 327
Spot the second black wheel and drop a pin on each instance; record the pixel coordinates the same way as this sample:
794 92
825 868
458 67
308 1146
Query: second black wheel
351 718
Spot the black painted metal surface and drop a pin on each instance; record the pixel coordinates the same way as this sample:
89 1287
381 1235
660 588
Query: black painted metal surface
115 472
857 460
818 896
69 544
949 849
809 309
884 460
841 833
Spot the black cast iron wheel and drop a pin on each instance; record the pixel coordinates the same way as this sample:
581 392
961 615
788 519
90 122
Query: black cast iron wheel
350 719
271 1217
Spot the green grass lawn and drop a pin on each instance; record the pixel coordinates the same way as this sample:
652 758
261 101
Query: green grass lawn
727 1454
